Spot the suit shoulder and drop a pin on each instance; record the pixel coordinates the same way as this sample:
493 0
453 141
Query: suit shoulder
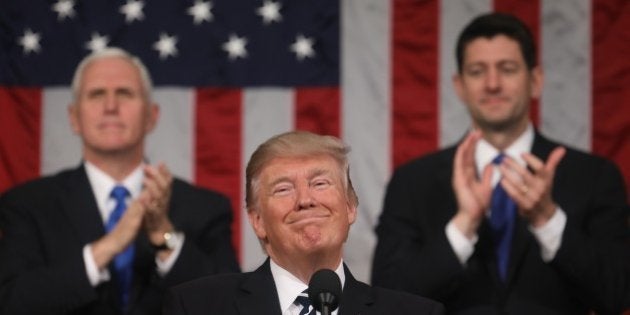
406 303
225 283
431 160
38 188
424 169
187 190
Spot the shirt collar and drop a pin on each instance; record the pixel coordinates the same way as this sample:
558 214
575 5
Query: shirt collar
289 286
102 185
485 152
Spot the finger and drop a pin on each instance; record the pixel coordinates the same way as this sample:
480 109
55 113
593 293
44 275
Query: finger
515 192
154 174
515 180
486 176
162 177
467 157
151 187
554 159
520 173
458 161
533 162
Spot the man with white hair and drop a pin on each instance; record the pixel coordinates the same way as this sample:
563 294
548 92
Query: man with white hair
109 236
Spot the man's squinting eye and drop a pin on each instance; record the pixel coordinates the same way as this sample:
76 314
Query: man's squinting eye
282 189
321 183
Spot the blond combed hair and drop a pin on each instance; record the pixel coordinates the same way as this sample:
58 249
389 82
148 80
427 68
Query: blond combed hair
297 144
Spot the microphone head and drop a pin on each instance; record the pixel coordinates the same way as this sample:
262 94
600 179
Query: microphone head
324 290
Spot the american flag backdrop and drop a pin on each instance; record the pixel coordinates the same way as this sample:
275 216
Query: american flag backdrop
231 73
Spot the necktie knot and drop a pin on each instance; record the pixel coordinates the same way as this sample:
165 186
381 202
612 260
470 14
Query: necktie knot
119 193
498 159
303 300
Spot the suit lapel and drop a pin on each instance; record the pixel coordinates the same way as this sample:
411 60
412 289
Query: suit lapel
258 293
356 296
80 207
523 240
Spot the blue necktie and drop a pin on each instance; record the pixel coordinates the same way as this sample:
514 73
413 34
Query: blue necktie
123 262
303 300
503 212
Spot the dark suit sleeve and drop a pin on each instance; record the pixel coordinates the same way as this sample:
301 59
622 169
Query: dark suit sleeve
593 256
413 253
173 304
205 217
32 280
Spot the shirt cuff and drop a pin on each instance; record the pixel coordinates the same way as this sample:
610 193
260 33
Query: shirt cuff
462 246
94 275
163 267
549 236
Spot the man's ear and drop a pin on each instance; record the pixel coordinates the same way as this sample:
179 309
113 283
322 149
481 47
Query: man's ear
458 84
153 117
537 79
256 220
352 213
73 117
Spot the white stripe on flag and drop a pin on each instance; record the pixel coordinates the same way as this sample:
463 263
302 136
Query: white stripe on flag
172 141
61 148
266 112
366 119
453 116
566 58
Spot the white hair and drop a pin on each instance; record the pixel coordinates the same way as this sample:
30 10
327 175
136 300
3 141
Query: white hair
109 52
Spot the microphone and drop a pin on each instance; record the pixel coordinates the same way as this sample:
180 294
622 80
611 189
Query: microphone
324 291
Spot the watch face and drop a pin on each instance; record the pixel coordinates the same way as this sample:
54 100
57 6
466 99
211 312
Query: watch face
170 240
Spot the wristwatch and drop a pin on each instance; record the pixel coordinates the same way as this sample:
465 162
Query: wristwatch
170 241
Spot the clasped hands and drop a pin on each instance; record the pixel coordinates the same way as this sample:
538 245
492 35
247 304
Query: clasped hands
530 187
149 212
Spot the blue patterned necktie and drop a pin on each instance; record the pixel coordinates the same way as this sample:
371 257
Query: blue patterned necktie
502 215
123 262
303 300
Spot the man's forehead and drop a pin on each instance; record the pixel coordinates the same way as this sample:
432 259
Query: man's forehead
498 47
307 165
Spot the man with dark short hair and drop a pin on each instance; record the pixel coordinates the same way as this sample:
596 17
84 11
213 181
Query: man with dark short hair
507 221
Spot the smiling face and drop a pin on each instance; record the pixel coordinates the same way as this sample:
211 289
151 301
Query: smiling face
301 208
496 85
112 113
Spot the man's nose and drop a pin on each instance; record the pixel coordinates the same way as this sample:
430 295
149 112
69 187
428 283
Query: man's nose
305 198
111 104
493 80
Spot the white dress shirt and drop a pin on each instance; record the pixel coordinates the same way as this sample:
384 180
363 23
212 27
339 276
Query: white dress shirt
549 236
102 185
289 287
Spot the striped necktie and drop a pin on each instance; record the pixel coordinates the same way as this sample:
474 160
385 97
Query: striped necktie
303 300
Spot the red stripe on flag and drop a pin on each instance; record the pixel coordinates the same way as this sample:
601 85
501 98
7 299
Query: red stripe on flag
414 79
317 110
218 148
611 82
529 12
20 130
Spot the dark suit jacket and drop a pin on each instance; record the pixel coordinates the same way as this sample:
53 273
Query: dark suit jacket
588 272
255 293
47 222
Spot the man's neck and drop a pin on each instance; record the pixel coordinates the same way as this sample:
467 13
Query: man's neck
502 139
118 166
304 267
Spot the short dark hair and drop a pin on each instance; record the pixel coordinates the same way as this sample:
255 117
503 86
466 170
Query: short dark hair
492 24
